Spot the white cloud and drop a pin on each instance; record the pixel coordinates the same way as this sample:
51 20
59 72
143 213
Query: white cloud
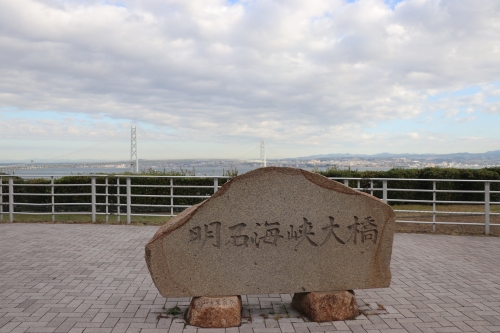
465 119
451 113
66 128
306 73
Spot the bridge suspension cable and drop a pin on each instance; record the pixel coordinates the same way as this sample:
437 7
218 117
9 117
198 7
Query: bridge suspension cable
92 146
161 143
254 146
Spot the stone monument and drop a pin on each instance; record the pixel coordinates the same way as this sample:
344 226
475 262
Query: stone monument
275 230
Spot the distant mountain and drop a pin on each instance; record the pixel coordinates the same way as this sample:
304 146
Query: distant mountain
488 154
493 153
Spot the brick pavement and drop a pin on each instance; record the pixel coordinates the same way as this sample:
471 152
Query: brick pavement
93 279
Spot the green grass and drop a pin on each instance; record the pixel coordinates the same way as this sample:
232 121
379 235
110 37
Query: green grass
100 219
174 311
448 208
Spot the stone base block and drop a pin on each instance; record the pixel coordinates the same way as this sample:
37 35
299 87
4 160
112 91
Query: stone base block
326 306
214 312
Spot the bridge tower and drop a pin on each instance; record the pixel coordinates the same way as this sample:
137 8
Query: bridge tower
263 153
134 160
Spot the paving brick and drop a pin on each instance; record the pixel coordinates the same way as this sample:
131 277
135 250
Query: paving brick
93 278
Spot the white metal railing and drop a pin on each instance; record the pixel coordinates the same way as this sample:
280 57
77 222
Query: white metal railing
385 190
125 182
128 195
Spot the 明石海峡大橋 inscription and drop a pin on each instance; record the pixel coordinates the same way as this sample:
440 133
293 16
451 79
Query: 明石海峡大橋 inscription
262 234
275 230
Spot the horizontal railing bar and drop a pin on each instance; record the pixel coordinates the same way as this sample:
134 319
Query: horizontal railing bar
73 204
442 212
438 212
158 186
431 191
32 213
444 202
122 185
367 189
419 190
449 223
147 195
148 205
163 186
58 176
151 195
86 213
153 215
71 194
55 213
144 205
164 196
49 184
174 177
55 194
419 180
31 204
99 204
174 186
32 194
101 194
67 213
112 175
55 204
60 204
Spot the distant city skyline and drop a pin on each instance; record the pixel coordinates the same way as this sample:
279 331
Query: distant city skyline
220 167
212 78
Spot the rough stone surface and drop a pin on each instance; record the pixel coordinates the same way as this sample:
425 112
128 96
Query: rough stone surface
275 230
214 312
326 306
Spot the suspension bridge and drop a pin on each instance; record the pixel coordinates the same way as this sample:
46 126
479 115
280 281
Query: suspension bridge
133 164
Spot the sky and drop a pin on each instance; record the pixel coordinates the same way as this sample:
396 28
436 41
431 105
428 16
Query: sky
213 78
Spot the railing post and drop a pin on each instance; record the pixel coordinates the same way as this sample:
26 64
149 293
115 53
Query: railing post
171 197
371 187
359 185
11 199
52 198
384 191
486 208
92 186
434 206
118 199
106 198
346 182
1 198
129 200
216 184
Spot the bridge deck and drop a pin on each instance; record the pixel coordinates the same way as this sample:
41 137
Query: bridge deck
92 278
